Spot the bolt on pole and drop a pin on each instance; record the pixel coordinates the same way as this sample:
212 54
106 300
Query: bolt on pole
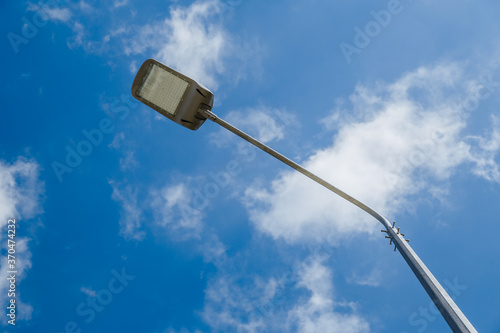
449 310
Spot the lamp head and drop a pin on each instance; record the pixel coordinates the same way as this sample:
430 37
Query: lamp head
172 94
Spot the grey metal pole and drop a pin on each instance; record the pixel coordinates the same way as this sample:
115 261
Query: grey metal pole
449 310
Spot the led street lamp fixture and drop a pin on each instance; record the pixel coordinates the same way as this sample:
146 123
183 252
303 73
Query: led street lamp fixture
172 94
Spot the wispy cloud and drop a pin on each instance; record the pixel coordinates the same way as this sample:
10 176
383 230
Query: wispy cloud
262 122
485 152
174 211
120 3
128 162
227 307
78 37
396 140
373 278
21 195
53 11
89 292
308 304
131 216
318 313
173 208
192 40
84 6
20 190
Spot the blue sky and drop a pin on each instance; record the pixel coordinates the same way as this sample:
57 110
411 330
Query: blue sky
127 222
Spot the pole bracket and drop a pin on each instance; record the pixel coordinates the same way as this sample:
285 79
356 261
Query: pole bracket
397 231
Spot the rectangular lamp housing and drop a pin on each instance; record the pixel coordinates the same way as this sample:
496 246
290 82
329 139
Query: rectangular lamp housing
172 94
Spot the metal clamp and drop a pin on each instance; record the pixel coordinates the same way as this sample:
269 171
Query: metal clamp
398 232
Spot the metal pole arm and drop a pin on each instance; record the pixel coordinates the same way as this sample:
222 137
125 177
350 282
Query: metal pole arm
296 166
449 310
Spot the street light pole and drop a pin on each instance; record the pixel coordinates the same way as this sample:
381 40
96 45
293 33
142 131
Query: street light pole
188 103
445 304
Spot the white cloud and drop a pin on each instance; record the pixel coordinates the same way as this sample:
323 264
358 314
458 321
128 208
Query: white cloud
178 210
20 190
264 123
131 217
301 301
21 194
52 11
133 67
372 279
78 38
85 6
118 140
228 307
261 122
174 211
485 155
398 140
172 207
120 3
190 40
128 161
89 292
318 313
82 38
59 14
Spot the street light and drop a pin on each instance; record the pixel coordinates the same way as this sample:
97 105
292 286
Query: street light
188 103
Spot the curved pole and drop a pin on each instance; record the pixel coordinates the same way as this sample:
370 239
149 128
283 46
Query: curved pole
449 310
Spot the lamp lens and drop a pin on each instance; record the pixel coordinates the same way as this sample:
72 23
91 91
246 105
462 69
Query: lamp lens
163 89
